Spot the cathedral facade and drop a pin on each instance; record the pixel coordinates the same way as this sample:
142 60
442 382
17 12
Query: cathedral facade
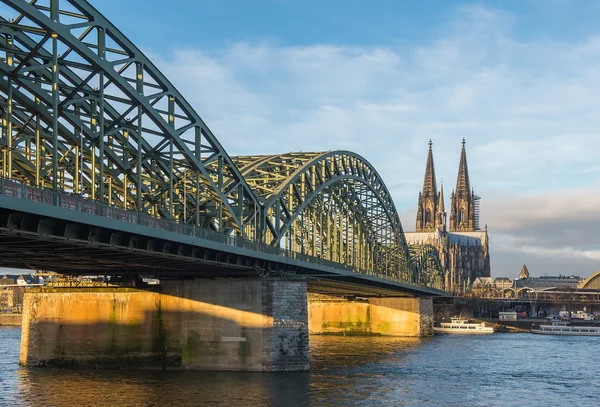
463 248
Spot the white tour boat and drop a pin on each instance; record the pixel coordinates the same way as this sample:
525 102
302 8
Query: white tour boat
462 326
565 328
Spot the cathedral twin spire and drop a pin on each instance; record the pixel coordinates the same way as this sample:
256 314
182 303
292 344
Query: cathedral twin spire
429 183
463 186
463 200
431 212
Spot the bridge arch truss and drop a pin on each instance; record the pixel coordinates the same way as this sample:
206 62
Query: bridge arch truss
427 267
331 205
85 112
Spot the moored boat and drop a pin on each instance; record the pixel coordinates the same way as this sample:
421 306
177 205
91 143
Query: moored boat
462 326
565 328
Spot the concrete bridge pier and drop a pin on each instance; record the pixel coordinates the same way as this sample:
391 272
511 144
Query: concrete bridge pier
241 325
400 316
231 324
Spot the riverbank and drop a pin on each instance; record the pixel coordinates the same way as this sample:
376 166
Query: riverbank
10 319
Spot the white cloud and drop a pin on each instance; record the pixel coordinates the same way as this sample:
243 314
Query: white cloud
553 232
526 108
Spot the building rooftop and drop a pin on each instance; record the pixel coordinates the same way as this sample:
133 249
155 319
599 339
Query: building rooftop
524 272
12 279
548 281
482 281
462 238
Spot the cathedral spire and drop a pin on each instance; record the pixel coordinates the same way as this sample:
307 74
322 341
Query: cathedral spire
463 185
428 209
429 184
463 213
441 212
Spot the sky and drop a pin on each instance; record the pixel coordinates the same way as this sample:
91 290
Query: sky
519 80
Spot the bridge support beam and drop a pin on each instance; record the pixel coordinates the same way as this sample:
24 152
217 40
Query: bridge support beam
373 316
241 325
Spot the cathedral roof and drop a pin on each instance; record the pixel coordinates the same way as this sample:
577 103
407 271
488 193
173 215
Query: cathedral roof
467 238
524 272
478 238
422 237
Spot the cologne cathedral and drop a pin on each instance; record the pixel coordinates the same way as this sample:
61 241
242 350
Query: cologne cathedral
463 247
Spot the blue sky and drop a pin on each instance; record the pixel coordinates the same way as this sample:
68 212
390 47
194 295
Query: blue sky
520 80
217 23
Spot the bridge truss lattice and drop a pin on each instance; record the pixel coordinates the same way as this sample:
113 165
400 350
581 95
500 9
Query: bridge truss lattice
427 267
331 205
85 112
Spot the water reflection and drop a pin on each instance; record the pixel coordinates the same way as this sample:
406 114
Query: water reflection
152 388
353 371
333 374
488 370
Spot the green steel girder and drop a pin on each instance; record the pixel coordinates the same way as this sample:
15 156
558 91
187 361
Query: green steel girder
85 112
84 66
292 186
428 268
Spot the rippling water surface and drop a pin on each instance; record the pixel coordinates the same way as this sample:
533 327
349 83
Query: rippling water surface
488 370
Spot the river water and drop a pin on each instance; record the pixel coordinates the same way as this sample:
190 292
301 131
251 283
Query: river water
451 370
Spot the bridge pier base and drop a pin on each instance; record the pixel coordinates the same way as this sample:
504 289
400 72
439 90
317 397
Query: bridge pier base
373 316
241 325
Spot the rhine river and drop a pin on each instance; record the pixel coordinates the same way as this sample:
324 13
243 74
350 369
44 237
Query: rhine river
488 370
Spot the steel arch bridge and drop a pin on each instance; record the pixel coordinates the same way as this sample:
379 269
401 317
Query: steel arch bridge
331 205
428 268
86 113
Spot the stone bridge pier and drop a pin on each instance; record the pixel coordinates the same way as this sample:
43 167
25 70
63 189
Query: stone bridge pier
231 324
392 316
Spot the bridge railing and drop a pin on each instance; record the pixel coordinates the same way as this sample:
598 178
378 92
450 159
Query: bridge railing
79 203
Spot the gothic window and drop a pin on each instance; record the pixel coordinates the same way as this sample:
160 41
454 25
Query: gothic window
461 215
427 216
